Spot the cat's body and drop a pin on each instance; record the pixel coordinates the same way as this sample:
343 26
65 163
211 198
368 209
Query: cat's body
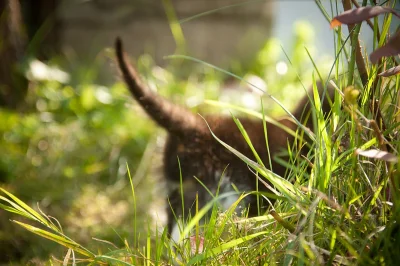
200 154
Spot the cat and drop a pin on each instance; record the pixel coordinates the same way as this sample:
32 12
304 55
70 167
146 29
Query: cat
202 156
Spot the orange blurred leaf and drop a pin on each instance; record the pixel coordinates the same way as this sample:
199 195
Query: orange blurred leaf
392 47
378 154
390 72
360 14
335 23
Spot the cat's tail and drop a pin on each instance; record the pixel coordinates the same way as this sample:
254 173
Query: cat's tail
175 119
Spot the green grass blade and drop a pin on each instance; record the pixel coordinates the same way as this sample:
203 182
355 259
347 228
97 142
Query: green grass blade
200 214
252 113
325 144
244 80
29 211
222 248
283 185
209 12
13 210
247 139
135 241
56 238
111 260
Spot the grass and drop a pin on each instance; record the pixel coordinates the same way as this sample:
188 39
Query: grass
345 211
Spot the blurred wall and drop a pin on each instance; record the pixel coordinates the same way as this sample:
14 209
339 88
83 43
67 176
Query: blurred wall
231 33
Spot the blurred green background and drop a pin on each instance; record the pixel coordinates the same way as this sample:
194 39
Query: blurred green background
66 143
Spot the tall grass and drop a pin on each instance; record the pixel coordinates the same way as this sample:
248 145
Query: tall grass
344 211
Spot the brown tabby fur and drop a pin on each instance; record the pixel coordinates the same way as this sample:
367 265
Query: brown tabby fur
200 155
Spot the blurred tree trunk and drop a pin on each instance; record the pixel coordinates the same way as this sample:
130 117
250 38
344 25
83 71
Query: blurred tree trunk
13 84
42 27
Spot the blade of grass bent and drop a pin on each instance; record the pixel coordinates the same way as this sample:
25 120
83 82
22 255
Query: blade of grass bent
244 80
25 208
12 209
56 238
252 113
15 208
111 260
224 247
283 185
209 12
247 139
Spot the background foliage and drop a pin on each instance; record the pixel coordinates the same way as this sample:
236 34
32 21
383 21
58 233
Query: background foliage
69 148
